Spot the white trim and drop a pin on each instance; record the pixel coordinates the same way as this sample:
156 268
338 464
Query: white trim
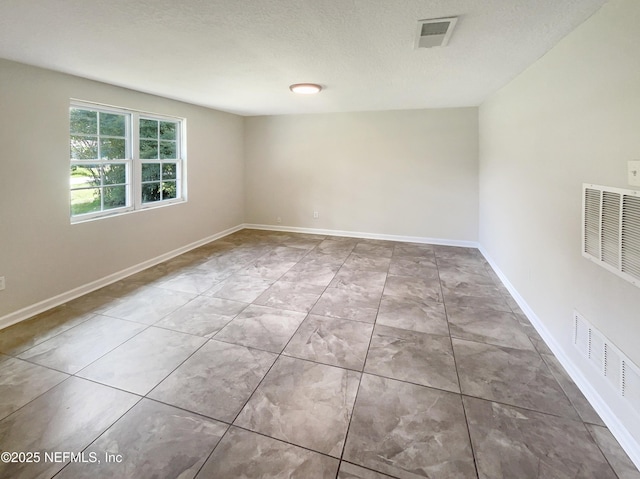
29 311
612 414
357 234
107 106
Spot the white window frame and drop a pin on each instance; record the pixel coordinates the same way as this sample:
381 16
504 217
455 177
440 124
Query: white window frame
138 165
134 163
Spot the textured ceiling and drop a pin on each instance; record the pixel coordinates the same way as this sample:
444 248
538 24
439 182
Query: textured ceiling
242 55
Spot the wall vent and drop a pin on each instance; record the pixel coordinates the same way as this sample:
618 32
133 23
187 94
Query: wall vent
581 335
613 366
622 374
611 230
630 382
435 33
597 350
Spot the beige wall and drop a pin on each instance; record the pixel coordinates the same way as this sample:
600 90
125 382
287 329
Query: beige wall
571 118
409 173
41 253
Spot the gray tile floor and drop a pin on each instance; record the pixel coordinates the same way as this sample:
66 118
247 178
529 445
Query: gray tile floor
296 356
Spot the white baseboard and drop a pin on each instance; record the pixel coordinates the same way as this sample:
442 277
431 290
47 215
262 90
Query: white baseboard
29 311
356 234
613 416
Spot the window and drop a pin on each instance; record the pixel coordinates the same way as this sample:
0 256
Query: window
100 165
123 161
159 159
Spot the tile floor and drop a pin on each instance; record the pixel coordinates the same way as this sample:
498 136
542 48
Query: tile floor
283 355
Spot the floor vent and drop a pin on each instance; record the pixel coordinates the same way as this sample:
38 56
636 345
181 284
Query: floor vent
622 374
435 33
611 230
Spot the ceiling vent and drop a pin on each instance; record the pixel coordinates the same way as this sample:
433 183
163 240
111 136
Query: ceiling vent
435 33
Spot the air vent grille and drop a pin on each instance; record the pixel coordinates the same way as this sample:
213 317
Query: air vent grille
622 374
613 365
581 334
436 28
611 230
597 350
435 33
630 382
592 200
631 236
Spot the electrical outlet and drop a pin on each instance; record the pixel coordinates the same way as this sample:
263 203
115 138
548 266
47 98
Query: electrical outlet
2 284
316 215
634 173
278 220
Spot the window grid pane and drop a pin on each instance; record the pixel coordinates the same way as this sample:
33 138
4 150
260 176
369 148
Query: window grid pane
158 139
169 190
83 122
160 181
151 192
113 125
168 130
169 171
148 129
84 147
150 172
114 196
98 187
168 150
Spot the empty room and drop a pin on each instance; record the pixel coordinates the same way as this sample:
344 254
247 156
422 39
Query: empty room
337 239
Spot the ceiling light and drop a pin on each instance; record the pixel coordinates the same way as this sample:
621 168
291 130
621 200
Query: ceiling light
306 88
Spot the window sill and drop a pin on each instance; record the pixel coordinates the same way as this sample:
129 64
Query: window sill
124 211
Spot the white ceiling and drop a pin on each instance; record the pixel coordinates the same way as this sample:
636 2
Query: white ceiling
242 55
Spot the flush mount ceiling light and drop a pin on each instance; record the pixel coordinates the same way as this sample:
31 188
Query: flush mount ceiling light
306 88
